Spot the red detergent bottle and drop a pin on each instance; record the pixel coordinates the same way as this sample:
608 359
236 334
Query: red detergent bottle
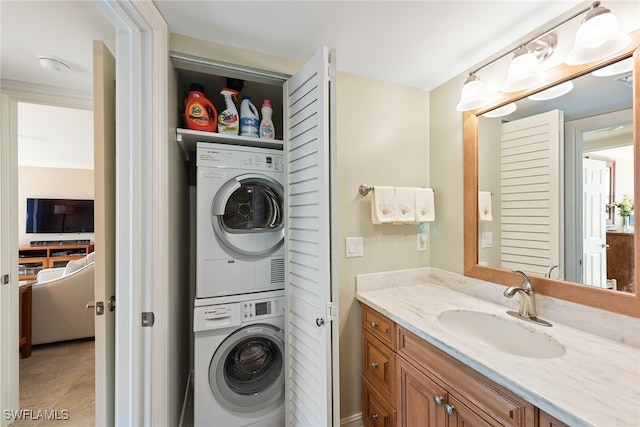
200 113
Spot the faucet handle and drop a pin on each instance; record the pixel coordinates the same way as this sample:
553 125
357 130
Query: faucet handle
526 283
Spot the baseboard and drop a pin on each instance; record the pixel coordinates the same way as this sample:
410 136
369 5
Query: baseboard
354 420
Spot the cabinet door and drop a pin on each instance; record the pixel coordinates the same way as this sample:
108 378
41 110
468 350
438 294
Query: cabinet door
416 396
461 415
547 420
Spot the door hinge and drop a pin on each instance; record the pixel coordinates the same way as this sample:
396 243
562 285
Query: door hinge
332 311
329 72
5 279
148 319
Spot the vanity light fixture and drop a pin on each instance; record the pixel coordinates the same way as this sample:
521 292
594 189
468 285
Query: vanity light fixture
474 94
553 92
599 36
524 71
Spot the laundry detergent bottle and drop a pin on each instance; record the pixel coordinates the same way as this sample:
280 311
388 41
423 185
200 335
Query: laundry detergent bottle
249 120
200 114
228 120
267 129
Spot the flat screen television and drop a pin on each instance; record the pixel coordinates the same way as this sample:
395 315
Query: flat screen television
59 216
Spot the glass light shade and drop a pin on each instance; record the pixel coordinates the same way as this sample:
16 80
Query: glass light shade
552 92
524 72
502 111
619 67
474 94
598 37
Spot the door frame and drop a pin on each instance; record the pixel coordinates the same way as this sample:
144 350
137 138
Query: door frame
12 95
143 395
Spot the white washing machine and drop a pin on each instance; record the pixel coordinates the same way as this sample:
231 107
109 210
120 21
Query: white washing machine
239 361
239 220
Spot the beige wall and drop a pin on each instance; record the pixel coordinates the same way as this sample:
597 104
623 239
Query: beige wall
383 139
52 183
446 175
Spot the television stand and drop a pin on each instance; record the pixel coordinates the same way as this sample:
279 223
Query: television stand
35 257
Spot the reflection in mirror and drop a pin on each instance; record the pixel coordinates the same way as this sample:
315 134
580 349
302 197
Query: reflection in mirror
554 173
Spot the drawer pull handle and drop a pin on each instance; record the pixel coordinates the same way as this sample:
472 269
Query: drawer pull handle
374 365
449 409
374 325
438 400
374 417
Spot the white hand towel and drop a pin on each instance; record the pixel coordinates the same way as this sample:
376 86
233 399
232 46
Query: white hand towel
405 197
484 206
425 205
384 207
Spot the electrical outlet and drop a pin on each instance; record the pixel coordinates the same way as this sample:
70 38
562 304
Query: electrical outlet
422 239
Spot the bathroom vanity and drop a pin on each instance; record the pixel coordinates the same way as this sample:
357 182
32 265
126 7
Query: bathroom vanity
418 371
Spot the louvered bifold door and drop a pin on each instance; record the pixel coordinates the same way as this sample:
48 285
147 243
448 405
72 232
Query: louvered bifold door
531 193
308 245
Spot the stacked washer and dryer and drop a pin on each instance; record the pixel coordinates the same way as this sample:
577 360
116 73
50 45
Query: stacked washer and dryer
239 306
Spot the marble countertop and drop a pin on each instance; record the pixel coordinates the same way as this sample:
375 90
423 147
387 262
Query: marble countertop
596 382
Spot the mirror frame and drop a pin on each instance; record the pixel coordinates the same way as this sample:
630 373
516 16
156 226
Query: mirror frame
604 299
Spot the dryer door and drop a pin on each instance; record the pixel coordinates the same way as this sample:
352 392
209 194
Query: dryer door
247 370
247 214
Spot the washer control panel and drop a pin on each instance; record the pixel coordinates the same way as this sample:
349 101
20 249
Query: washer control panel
262 309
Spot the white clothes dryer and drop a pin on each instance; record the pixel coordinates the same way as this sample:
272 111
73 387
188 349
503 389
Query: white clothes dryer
239 220
239 361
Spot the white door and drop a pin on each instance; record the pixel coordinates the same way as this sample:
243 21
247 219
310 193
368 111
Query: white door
595 196
311 326
104 111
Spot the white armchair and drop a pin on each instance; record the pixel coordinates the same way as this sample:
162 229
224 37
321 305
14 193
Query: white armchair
59 302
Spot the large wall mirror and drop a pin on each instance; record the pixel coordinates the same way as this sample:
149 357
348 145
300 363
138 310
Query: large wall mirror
556 174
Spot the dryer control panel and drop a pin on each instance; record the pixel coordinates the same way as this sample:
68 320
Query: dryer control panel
249 158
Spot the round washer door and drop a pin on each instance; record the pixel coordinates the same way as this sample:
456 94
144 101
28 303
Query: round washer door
246 373
247 214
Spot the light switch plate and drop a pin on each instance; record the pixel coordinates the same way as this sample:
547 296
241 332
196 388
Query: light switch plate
486 240
354 247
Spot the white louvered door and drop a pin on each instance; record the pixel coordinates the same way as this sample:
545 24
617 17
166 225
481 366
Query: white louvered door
532 188
311 302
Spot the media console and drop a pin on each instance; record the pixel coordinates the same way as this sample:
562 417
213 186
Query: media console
36 257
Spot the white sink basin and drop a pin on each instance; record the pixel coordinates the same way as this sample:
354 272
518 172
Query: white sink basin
503 334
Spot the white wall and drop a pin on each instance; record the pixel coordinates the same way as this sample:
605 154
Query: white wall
51 183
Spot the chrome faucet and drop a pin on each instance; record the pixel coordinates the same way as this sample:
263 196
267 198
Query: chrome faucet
527 301
549 270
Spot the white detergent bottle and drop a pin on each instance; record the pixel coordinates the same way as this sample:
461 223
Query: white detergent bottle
267 130
228 121
249 120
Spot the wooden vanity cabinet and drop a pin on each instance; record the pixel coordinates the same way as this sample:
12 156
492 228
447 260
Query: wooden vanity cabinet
410 383
468 397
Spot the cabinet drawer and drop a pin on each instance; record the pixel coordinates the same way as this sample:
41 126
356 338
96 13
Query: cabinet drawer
472 388
378 364
378 325
547 420
376 411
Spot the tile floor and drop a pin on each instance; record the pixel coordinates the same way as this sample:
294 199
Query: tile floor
58 377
